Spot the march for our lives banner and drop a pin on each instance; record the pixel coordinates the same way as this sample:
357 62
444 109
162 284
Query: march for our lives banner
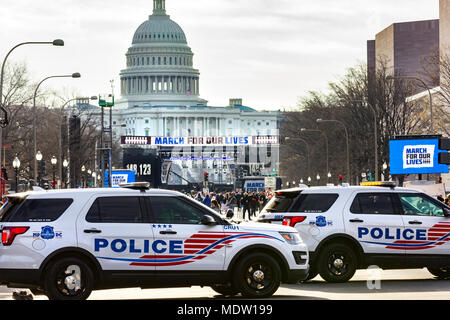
418 156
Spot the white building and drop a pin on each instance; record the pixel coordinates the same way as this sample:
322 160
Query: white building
160 95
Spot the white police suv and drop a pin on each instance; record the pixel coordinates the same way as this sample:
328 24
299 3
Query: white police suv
67 243
350 228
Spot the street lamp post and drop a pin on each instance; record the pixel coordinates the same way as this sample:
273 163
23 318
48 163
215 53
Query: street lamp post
385 166
4 122
89 174
83 170
54 161
73 75
61 156
307 149
375 136
348 145
326 142
64 176
318 179
38 159
429 93
16 166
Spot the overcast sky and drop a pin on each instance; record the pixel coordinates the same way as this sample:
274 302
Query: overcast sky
268 52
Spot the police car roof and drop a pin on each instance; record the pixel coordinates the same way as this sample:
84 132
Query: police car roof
112 191
340 189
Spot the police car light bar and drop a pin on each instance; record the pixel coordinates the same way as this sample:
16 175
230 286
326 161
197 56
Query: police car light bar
136 186
390 184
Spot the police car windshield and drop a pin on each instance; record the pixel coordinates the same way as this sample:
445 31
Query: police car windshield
10 207
281 202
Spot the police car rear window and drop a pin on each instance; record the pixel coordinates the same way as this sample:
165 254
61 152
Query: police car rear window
11 206
314 203
281 202
38 210
115 210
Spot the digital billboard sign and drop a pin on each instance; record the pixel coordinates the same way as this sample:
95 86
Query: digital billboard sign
416 156
119 177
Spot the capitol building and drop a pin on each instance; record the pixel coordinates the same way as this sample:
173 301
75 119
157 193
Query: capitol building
160 97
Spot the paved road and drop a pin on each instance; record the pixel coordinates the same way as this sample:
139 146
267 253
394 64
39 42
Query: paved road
416 284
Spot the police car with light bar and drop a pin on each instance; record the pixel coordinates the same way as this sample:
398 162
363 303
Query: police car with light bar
66 243
352 227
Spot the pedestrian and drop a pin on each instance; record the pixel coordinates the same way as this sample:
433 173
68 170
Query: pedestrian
207 201
232 202
238 198
262 200
447 200
225 204
245 203
253 204
215 206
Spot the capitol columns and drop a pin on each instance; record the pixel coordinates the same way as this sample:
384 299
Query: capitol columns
175 86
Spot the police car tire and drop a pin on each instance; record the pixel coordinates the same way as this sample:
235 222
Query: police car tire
441 273
37 291
312 273
247 270
225 290
53 283
331 253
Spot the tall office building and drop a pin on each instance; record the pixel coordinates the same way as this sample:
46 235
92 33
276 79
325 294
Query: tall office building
403 48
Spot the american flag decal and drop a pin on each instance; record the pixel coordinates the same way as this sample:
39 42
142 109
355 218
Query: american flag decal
437 235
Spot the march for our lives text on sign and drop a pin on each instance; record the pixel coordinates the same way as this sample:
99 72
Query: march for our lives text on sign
416 156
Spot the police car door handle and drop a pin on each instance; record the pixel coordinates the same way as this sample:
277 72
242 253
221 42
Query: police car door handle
92 231
415 222
168 232
356 220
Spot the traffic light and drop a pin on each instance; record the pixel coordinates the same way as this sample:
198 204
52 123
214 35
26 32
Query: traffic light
340 178
444 157
4 174
206 177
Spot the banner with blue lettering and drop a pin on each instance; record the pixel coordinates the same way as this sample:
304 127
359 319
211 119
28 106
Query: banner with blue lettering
254 186
418 156
119 177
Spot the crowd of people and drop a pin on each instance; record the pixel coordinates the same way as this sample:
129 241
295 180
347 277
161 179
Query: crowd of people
246 204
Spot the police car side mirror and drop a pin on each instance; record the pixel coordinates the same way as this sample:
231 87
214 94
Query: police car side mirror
446 212
208 220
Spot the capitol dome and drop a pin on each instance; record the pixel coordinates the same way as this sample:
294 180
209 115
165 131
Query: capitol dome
159 28
160 65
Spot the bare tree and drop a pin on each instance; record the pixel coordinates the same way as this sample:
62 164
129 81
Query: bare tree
349 102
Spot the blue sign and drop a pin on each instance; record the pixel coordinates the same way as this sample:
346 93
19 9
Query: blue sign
119 177
417 156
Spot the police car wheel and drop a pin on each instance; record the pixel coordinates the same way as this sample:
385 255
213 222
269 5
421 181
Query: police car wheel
257 276
337 263
225 290
69 279
441 273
